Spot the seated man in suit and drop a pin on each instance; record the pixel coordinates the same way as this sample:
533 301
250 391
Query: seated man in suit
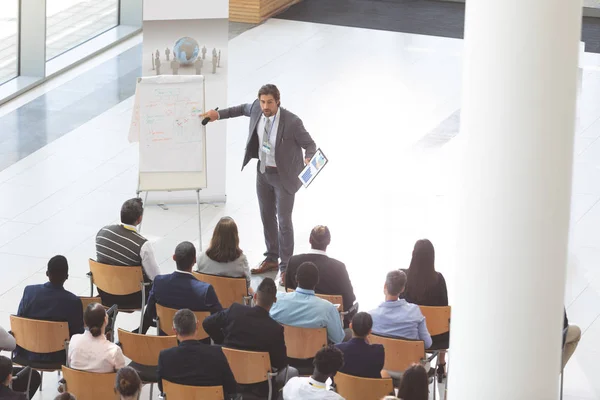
361 358
333 276
8 343
121 245
6 371
253 329
181 289
51 302
305 310
396 317
194 363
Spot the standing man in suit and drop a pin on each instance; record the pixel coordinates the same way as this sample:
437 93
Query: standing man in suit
253 329
276 137
194 363
181 289
333 276
361 358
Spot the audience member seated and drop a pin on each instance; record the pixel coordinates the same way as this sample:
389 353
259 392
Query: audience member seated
128 384
571 340
361 358
426 287
181 289
194 363
8 343
327 362
122 245
6 376
303 309
51 302
333 276
396 317
414 384
65 396
92 351
224 256
253 329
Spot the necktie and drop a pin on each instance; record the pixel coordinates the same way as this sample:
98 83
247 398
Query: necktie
262 154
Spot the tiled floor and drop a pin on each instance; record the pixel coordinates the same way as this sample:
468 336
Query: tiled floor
351 87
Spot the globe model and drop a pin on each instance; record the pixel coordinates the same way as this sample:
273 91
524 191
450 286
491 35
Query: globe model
186 50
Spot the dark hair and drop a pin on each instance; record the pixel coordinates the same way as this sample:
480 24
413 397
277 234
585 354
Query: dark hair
421 274
185 256
94 317
58 270
225 243
395 281
184 322
128 382
329 360
5 368
269 89
131 211
65 396
307 275
266 293
362 324
414 384
320 237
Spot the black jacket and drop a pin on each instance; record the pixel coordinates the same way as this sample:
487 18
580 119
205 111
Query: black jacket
8 394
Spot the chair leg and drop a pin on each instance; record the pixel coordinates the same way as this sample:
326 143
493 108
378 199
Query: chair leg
151 390
437 361
562 374
29 382
41 379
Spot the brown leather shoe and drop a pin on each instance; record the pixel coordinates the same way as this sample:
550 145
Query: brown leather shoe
282 279
265 266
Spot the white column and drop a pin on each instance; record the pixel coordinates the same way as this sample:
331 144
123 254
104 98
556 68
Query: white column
518 120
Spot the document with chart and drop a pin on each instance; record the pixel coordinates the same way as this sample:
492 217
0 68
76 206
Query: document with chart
312 169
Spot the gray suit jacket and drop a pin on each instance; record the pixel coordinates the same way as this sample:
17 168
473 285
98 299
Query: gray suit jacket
292 137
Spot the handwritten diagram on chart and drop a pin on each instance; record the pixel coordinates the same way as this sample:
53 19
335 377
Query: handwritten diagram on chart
170 132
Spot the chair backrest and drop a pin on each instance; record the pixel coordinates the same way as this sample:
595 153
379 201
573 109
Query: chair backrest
165 320
173 391
356 388
116 280
229 290
399 353
86 301
144 349
437 319
248 367
90 385
303 343
332 298
39 336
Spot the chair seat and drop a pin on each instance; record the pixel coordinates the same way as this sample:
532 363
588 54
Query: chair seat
147 373
37 364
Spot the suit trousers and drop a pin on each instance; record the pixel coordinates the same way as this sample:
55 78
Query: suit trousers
276 205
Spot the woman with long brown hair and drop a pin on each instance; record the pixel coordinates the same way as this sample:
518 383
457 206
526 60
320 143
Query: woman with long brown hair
426 287
224 256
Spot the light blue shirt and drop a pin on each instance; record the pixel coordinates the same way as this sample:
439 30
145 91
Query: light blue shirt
305 310
400 319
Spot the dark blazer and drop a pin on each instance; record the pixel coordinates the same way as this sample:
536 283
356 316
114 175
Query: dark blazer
49 302
333 276
362 359
8 394
292 137
248 328
181 290
437 296
196 364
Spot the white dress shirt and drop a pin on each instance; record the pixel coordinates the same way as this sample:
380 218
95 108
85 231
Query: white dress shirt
260 130
94 354
147 254
306 388
316 251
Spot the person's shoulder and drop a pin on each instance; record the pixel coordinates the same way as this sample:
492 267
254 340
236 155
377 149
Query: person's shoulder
290 116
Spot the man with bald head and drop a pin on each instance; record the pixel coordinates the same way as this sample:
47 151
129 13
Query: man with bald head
181 289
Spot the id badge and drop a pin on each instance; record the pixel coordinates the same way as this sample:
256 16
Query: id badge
266 148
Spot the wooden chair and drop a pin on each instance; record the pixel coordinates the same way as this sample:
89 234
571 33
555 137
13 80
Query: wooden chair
229 290
86 301
356 388
143 351
39 337
119 281
437 320
400 353
164 320
303 343
89 385
173 391
250 367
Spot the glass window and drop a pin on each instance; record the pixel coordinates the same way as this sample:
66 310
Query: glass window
72 22
9 39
